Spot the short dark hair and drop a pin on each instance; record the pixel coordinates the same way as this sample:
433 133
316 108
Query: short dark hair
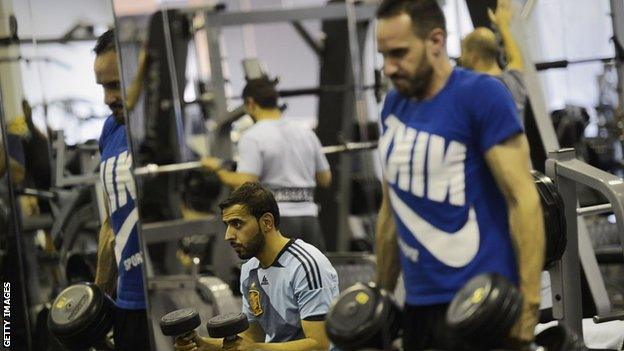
262 91
426 15
105 42
256 199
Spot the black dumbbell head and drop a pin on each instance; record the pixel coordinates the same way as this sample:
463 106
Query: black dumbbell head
179 322
485 309
228 324
554 218
81 315
363 316
560 338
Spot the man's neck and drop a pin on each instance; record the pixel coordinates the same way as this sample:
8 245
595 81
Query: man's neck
491 69
441 72
267 114
273 245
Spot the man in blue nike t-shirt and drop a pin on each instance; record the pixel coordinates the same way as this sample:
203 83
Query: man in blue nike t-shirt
119 256
459 199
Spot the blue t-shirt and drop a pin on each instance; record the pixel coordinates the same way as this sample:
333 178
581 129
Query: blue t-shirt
451 218
120 193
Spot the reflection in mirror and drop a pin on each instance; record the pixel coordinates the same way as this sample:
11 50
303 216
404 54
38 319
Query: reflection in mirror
183 82
55 113
15 318
168 107
20 271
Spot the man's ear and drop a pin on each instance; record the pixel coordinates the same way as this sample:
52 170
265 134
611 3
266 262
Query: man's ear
267 222
250 102
436 39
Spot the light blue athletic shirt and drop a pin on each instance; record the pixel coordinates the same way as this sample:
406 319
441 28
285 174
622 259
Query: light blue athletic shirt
300 284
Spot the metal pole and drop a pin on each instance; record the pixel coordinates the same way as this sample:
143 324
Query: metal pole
177 106
617 15
221 144
567 304
187 166
594 210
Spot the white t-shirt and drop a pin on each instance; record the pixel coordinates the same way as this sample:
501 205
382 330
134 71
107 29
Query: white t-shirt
283 154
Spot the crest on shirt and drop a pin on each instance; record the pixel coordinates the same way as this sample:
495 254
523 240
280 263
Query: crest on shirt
254 300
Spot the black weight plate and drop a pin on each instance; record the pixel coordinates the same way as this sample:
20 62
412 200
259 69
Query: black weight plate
74 307
510 304
554 218
484 309
362 316
559 338
228 324
81 315
466 306
179 322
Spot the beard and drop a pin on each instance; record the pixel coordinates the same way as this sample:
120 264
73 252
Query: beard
417 84
118 113
251 248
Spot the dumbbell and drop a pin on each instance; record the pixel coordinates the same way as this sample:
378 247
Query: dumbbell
484 310
180 323
81 316
363 317
559 338
227 326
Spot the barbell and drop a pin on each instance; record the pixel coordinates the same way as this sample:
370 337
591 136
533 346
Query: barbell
153 169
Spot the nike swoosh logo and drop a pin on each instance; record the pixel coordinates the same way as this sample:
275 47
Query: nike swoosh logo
453 249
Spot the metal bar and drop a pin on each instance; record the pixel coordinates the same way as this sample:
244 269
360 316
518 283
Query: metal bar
175 92
327 12
78 180
176 167
566 282
180 228
613 316
540 66
220 142
348 147
43 194
59 165
594 210
152 169
617 15
314 44
589 264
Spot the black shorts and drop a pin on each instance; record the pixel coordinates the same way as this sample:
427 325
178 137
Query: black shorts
424 328
130 330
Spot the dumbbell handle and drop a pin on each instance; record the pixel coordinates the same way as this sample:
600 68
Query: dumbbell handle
608 317
186 339
230 339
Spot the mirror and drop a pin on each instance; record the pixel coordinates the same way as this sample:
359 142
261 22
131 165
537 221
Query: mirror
183 69
54 113
166 107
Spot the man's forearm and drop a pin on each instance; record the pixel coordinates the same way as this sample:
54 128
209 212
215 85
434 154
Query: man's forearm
387 248
106 266
296 345
211 344
527 233
229 178
18 173
512 51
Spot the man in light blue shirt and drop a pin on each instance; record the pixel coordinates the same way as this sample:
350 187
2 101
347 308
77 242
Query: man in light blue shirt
287 284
